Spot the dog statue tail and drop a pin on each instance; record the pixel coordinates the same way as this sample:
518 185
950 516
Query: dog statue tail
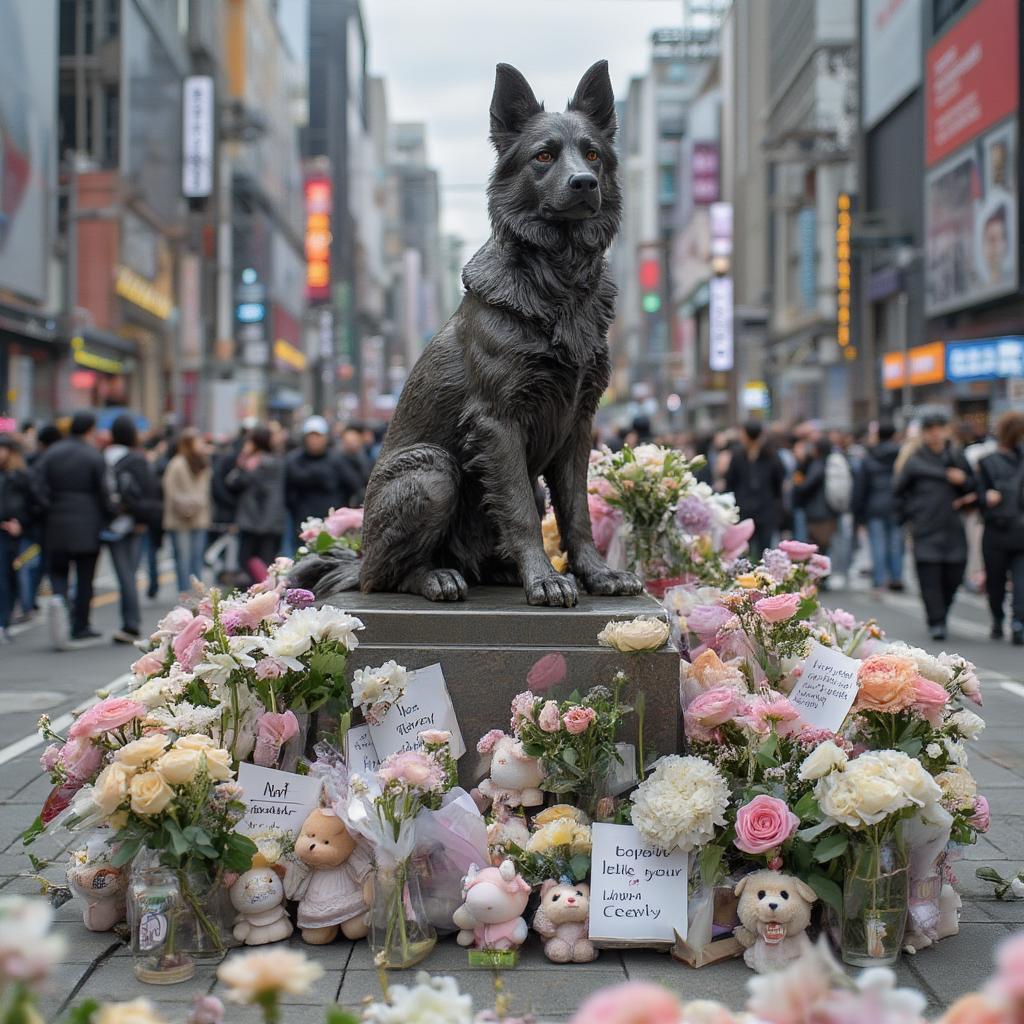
329 573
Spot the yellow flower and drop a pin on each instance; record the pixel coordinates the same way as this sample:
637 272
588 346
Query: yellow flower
557 833
268 973
138 1011
557 811
150 793
111 787
140 752
640 634
581 842
748 581
179 766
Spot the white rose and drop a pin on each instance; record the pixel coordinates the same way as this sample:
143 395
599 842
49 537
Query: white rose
640 634
1017 887
150 793
933 750
825 758
140 752
968 724
111 788
248 976
179 766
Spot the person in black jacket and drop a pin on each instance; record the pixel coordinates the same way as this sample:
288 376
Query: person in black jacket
70 483
258 480
932 486
1001 496
755 476
14 521
139 509
876 508
316 479
809 493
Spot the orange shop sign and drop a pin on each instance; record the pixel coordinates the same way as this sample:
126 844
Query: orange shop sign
927 366
318 237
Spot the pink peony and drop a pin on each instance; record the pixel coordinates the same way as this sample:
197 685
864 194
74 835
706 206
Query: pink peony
798 550
982 817
81 759
736 538
185 642
777 609
713 707
930 700
109 714
578 719
764 824
50 757
844 620
705 620
148 665
273 732
634 1002
1009 979
546 672
259 609
343 520
549 719
604 521
412 768
770 709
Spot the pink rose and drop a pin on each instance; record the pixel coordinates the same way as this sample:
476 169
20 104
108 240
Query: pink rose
49 757
549 719
604 521
343 520
705 620
736 538
633 1002
982 817
1009 979
970 686
798 550
81 759
713 707
546 672
764 824
578 719
413 768
270 668
273 732
819 566
174 621
522 708
109 714
929 700
778 608
186 640
259 609
148 665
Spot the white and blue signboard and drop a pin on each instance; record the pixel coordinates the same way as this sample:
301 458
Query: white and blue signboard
985 359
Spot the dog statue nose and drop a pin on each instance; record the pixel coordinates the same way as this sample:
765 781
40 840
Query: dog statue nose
773 906
583 182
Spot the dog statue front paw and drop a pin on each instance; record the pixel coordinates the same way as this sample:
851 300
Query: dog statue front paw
552 589
612 583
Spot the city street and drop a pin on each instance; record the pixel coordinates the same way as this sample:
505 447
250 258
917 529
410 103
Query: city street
34 679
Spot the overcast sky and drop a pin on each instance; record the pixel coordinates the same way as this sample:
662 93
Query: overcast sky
438 58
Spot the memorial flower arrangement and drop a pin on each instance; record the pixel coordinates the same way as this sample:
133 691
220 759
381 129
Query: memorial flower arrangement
559 846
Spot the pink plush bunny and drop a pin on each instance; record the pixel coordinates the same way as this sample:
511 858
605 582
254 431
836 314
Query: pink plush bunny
491 916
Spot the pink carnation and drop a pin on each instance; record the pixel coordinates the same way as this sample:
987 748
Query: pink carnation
297 597
343 520
772 709
546 672
982 816
577 719
634 1002
185 643
929 700
736 538
778 608
50 757
522 708
549 719
109 714
273 732
764 824
270 668
798 550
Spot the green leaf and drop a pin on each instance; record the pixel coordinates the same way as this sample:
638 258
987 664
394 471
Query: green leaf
710 863
36 829
179 844
831 847
239 851
580 867
336 1015
827 891
38 863
768 752
125 852
987 874
83 1012
570 757
911 747
807 807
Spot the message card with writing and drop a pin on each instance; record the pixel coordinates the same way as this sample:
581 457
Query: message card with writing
425 705
826 689
637 891
360 753
276 799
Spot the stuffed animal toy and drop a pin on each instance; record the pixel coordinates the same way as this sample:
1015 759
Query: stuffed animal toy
563 920
337 892
774 912
515 776
491 916
258 896
102 887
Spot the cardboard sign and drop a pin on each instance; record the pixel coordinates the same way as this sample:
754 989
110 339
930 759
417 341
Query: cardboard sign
638 892
826 689
276 799
360 754
424 705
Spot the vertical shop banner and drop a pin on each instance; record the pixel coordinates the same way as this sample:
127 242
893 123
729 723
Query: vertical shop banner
891 39
720 340
197 137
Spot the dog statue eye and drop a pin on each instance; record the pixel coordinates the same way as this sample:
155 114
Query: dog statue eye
544 157
592 155
760 894
556 897
784 894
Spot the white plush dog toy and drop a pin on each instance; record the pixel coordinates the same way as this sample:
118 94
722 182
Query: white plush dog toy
258 896
774 912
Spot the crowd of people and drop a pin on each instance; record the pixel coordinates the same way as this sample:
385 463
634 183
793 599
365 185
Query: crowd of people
231 509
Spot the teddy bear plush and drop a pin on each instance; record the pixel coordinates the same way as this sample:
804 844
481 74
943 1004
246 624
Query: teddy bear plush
774 912
102 888
563 920
337 891
258 896
492 915
515 777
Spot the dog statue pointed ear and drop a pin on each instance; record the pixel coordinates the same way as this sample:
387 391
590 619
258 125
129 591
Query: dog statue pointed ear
512 105
595 97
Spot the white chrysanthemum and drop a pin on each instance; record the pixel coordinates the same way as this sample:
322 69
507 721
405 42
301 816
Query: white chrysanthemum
306 626
184 718
429 1001
967 723
679 804
928 665
386 683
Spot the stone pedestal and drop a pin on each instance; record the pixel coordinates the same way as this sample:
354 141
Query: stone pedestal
488 644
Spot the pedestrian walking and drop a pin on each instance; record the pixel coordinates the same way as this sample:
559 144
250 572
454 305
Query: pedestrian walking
354 457
70 484
258 480
316 479
14 522
933 485
809 497
135 495
1001 498
755 476
875 506
188 504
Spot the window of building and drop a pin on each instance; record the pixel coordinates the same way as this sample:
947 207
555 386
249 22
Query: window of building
111 125
666 185
943 11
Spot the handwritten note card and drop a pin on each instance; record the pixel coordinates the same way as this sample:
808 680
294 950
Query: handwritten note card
360 754
276 799
826 689
425 705
637 891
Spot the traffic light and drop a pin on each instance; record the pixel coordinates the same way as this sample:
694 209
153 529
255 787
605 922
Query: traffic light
650 284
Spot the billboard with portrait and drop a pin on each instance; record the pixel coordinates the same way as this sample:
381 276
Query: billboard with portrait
971 223
28 148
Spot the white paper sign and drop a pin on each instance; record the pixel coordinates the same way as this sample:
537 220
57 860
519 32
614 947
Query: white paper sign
826 689
360 753
638 892
424 705
276 799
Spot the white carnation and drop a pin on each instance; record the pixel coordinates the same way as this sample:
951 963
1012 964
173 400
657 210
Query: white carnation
679 804
967 723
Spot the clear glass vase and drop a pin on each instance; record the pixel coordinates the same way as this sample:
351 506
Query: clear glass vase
401 934
876 892
158 918
208 930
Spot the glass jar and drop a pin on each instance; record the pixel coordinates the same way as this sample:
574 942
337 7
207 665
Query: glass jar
401 934
876 892
158 918
208 929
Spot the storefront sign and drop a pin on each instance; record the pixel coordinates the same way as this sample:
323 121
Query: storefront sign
720 341
971 77
93 360
704 168
139 292
844 222
891 42
927 366
197 137
318 238
288 354
985 359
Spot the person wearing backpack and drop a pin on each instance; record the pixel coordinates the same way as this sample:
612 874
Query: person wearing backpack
138 508
932 488
875 508
810 494
1000 487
